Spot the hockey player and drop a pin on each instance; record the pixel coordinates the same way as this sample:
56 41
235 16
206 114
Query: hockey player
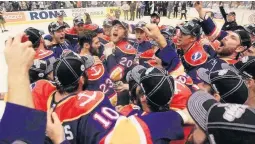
192 53
251 30
145 49
98 76
119 54
35 36
105 36
59 43
41 69
232 43
88 117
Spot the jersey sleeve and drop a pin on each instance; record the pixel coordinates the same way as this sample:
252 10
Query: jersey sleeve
169 57
210 29
22 123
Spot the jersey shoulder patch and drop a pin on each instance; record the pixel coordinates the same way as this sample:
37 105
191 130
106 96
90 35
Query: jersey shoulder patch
126 48
95 72
79 105
196 55
42 54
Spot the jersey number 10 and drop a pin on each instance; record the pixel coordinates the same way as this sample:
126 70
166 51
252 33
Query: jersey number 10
106 116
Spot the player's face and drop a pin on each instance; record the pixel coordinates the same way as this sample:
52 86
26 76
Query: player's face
117 33
60 18
184 40
107 30
155 20
95 46
79 27
230 18
140 35
228 45
252 37
249 52
59 36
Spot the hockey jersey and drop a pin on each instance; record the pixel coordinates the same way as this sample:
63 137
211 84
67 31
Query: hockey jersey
99 80
119 62
145 54
58 49
89 118
43 54
104 39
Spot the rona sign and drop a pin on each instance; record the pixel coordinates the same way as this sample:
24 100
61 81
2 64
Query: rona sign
40 15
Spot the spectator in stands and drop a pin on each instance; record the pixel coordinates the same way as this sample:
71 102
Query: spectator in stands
62 5
132 11
8 6
183 11
23 5
34 6
79 4
138 9
125 7
16 6
142 9
230 19
176 5
41 5
170 8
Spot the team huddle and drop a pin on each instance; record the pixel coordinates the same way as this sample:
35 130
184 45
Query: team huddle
144 83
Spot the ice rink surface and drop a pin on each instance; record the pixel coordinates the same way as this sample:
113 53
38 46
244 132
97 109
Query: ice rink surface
15 29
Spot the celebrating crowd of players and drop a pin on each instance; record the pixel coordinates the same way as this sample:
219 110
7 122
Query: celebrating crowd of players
145 83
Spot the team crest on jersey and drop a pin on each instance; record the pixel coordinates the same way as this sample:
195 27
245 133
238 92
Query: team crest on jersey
196 56
129 46
43 54
95 72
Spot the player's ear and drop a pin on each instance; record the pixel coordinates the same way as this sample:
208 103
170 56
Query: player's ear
240 49
143 98
86 45
81 81
217 96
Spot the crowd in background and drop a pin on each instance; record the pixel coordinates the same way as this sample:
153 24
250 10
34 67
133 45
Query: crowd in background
10 6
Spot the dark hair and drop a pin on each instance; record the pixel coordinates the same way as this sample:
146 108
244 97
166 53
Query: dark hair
86 37
211 91
68 89
85 85
155 108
